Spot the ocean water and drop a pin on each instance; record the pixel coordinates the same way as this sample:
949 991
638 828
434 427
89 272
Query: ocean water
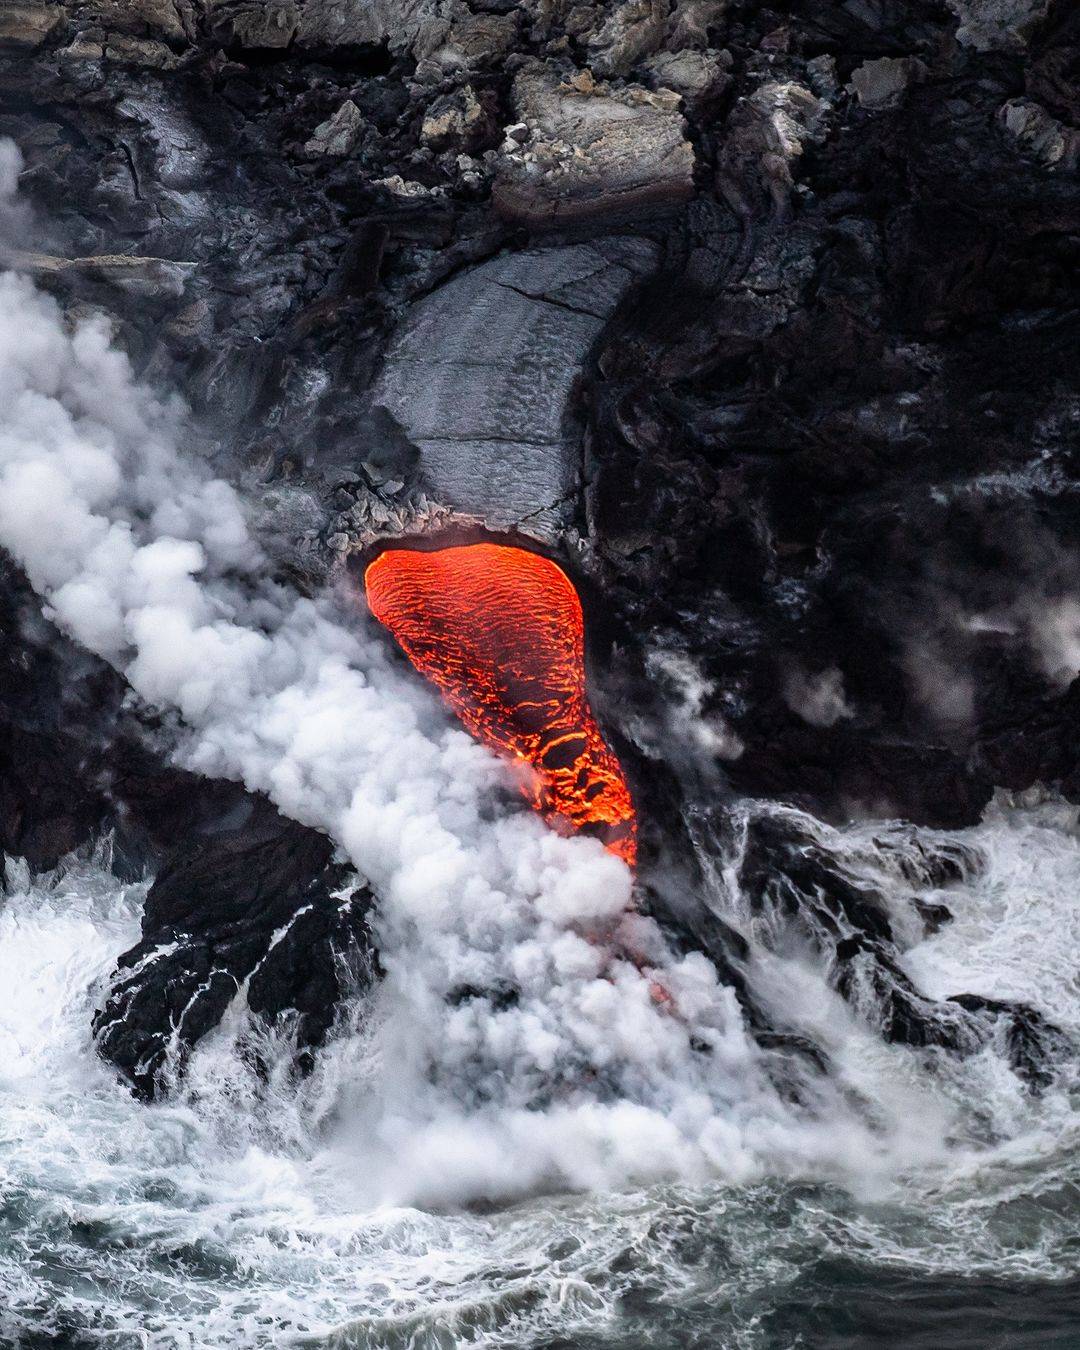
935 1203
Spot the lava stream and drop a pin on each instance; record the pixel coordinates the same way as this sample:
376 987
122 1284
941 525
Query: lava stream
499 631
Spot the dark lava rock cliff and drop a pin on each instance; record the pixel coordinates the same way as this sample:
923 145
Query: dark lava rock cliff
762 318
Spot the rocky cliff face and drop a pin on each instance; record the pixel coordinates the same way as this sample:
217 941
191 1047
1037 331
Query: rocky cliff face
762 319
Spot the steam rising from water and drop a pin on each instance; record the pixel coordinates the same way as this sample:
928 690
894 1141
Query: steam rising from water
233 1215
149 563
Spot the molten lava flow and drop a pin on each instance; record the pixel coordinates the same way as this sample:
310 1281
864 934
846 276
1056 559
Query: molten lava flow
499 631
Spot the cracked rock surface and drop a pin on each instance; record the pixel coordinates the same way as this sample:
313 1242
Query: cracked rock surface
593 152
482 373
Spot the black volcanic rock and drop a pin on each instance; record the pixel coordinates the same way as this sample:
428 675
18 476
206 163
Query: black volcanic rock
252 903
242 896
58 708
822 445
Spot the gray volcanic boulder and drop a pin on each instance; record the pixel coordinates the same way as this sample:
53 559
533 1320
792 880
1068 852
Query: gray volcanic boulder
593 152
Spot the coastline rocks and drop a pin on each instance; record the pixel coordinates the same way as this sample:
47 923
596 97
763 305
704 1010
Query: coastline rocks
991 25
698 76
456 121
28 25
339 134
166 20
472 42
59 709
148 277
255 25
251 906
882 83
1040 137
767 134
120 49
691 21
633 30
332 25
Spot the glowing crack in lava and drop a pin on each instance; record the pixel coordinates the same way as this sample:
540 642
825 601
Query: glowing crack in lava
499 631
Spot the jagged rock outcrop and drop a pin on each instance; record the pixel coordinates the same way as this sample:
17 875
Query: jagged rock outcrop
1039 136
249 905
28 25
988 25
592 153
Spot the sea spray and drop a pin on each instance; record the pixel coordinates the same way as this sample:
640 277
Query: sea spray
234 1215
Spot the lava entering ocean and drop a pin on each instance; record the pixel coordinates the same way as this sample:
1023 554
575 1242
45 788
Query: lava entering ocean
499 631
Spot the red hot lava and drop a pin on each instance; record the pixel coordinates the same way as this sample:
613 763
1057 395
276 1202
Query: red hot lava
499 631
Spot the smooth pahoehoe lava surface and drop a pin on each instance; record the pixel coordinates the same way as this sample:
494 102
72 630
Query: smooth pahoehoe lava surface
499 631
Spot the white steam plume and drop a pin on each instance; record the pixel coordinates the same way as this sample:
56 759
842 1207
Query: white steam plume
148 562
940 686
689 691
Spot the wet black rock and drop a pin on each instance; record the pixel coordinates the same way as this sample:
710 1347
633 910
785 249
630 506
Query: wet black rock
1033 1045
869 976
251 904
242 897
58 711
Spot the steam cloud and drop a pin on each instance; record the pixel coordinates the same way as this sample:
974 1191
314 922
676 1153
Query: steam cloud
687 719
817 699
149 562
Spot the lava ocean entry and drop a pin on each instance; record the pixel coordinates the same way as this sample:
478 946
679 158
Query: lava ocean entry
499 631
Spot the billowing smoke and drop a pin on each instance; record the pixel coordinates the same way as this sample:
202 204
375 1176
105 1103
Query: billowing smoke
584 1077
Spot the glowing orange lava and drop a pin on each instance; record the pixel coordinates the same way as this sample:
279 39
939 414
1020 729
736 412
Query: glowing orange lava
499 632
